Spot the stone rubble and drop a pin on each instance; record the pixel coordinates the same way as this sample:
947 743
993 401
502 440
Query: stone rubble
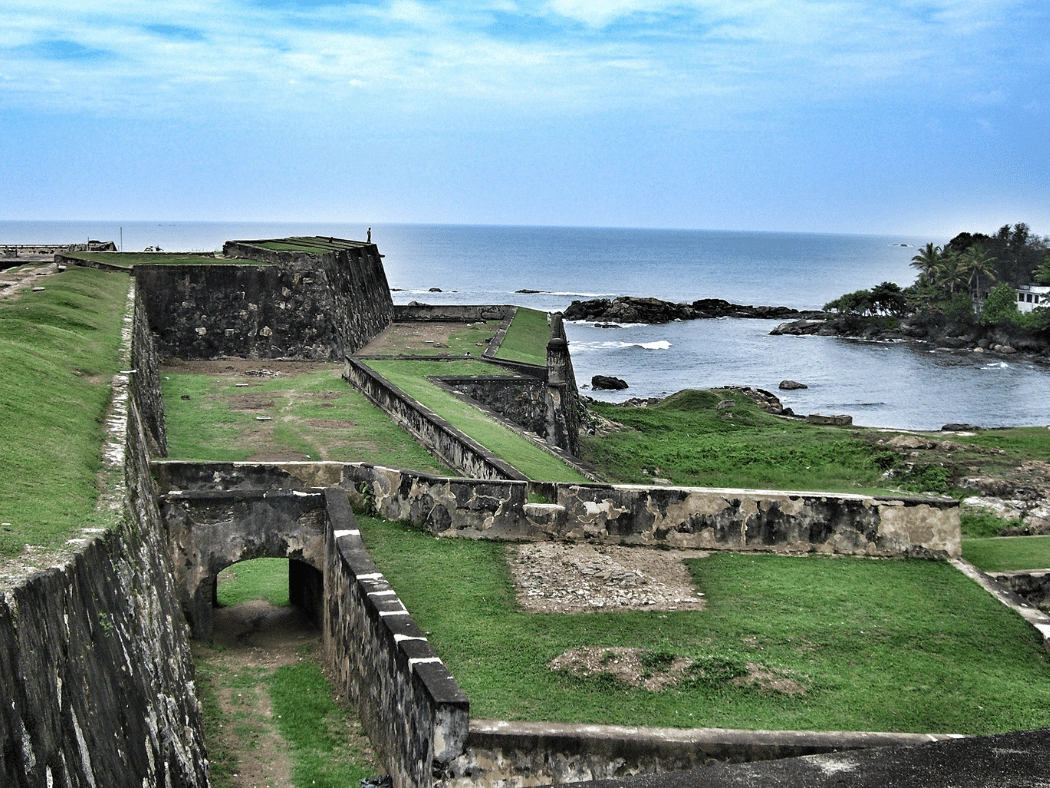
554 577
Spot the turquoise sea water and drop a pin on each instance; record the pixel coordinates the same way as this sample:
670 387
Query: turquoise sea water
905 385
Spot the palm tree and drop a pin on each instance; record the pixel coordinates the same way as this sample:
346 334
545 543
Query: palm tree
927 259
973 264
948 272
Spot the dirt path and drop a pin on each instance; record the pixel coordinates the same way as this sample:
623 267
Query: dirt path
252 640
15 281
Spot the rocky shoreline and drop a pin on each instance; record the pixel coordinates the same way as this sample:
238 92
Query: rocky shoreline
630 309
990 340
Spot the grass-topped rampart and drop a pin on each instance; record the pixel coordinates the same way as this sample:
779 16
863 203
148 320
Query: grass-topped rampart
59 349
129 260
527 338
884 645
530 459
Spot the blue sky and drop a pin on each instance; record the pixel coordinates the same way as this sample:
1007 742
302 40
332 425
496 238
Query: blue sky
918 117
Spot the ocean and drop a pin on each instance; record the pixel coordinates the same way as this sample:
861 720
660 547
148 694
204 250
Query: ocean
905 385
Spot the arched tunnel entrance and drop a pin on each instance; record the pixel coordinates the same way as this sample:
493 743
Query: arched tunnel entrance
279 582
211 530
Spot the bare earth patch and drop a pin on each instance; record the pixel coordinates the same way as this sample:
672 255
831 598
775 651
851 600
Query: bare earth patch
553 577
638 667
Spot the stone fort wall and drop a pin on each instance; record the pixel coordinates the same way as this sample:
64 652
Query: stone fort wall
95 666
301 306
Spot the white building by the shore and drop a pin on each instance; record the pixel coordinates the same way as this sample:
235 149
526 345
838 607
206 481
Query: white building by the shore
1031 296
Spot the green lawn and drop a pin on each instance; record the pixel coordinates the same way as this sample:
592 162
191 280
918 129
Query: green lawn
894 645
313 415
59 349
130 259
686 439
1004 553
259 578
527 338
410 376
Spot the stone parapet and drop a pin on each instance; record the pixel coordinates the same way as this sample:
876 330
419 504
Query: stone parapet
523 754
412 709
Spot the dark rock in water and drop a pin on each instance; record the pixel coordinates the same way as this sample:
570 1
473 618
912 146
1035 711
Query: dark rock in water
953 427
841 420
629 309
528 291
953 342
606 325
799 327
434 290
791 385
608 383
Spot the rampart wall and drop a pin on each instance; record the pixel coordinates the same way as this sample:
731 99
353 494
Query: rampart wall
632 514
316 307
95 667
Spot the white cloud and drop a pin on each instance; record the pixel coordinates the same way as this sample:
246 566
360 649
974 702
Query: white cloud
544 56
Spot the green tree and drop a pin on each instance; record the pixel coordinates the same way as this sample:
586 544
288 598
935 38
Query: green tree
1042 273
927 259
948 272
1000 307
976 264
858 302
888 299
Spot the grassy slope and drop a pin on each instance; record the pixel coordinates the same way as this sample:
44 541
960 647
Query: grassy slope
527 337
528 458
205 427
1000 554
685 439
58 351
881 645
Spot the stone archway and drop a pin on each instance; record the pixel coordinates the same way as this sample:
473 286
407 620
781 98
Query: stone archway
209 531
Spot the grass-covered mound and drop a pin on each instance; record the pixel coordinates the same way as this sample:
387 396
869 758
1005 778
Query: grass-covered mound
687 440
59 349
893 645
411 377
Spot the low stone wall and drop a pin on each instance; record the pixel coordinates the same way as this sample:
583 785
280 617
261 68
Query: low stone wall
448 444
759 520
211 530
521 400
633 514
408 702
95 667
522 754
1032 585
315 307
451 313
